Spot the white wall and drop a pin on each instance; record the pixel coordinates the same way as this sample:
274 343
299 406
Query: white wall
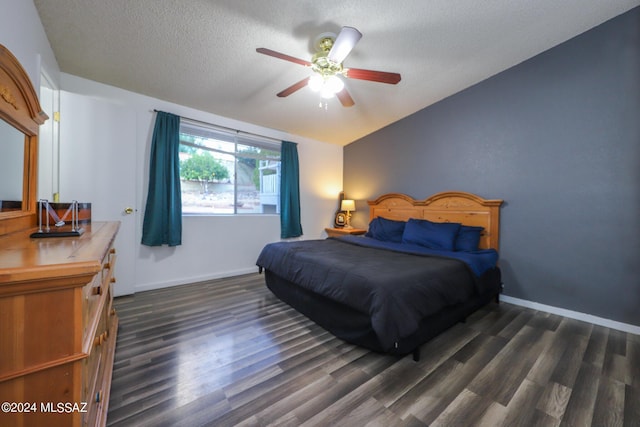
215 246
22 33
212 246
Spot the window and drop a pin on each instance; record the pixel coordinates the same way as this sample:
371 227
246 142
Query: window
227 172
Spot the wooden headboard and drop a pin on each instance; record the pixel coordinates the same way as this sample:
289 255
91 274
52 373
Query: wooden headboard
449 206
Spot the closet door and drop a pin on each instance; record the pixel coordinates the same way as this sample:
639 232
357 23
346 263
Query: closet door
97 165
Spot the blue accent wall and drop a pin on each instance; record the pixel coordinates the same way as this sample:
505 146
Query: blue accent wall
558 138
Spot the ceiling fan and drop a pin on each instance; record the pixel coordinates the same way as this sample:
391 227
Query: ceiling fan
327 66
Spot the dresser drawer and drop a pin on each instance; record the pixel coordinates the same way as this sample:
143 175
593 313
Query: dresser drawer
94 292
99 367
91 363
91 374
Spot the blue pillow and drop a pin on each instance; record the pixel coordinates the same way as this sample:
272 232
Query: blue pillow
386 230
435 235
468 238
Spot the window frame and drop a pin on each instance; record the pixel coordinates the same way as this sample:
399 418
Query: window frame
238 138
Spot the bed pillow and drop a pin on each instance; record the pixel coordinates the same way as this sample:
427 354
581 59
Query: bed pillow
468 238
435 235
386 230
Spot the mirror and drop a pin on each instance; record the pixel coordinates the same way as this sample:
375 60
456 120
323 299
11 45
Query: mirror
20 119
11 165
48 143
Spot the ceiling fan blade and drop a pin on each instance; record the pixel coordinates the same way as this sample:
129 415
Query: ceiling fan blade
344 43
279 55
345 98
293 88
374 76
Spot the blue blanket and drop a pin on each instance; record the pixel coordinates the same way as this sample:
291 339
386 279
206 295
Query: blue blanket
478 261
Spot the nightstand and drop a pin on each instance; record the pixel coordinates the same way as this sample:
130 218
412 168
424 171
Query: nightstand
335 232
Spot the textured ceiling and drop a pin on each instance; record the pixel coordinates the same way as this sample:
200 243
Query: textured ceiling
202 53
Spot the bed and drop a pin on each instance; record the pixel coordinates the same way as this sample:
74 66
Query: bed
422 267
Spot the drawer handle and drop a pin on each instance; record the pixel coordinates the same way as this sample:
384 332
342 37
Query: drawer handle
113 280
106 266
112 250
113 311
100 339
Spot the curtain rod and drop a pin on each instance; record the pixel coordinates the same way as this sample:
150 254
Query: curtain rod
221 127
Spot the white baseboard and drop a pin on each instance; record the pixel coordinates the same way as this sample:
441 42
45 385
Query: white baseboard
625 327
194 279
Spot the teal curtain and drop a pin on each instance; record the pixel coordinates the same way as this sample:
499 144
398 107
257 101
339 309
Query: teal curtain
163 212
290 225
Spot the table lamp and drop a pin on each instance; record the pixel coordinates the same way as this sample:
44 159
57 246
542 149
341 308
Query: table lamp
348 206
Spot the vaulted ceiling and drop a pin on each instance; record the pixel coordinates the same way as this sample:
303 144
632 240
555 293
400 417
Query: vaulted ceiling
202 53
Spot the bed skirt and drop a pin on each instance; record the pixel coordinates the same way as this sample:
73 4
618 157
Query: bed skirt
355 327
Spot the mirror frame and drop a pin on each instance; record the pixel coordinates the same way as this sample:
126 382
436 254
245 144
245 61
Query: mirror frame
20 107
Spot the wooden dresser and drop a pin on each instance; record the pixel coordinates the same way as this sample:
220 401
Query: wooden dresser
57 327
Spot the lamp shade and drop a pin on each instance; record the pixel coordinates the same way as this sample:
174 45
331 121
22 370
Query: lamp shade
348 205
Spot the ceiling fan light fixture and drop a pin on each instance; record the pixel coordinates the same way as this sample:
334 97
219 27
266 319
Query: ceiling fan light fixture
328 86
316 82
327 94
333 84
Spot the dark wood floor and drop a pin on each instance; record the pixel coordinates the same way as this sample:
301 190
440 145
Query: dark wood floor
227 353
